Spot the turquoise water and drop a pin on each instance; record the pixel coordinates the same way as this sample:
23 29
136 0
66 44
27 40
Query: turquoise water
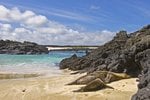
47 63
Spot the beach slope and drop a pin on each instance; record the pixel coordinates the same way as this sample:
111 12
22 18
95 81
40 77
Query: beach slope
55 88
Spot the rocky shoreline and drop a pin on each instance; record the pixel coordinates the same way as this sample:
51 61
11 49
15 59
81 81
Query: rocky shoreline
14 47
125 53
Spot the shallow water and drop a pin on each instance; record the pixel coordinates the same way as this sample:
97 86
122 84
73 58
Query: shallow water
42 64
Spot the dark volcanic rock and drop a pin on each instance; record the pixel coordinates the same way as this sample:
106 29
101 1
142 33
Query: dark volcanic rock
99 57
66 63
125 53
144 83
112 56
118 55
14 47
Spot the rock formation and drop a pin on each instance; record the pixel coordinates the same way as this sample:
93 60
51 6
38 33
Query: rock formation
14 47
125 53
95 85
113 56
144 78
98 80
105 76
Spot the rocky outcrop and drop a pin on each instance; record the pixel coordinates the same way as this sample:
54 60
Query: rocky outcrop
112 56
14 47
97 80
143 59
118 55
144 78
105 76
95 85
125 53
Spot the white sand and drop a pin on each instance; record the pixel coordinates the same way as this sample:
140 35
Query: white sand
54 88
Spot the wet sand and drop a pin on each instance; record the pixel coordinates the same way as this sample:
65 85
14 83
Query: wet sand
54 88
17 76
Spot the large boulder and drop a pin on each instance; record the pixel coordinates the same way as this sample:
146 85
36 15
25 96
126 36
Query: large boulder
70 62
94 85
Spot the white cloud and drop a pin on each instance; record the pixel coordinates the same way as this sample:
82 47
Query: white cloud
5 27
28 14
4 13
36 20
27 17
37 28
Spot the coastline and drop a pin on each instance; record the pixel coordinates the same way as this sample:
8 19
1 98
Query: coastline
55 88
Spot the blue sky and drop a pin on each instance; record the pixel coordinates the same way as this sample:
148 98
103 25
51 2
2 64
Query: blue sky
90 16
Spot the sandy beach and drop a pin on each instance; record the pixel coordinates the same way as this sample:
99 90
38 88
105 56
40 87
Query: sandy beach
54 88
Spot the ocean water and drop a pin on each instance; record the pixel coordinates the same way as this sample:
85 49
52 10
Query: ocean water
43 64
